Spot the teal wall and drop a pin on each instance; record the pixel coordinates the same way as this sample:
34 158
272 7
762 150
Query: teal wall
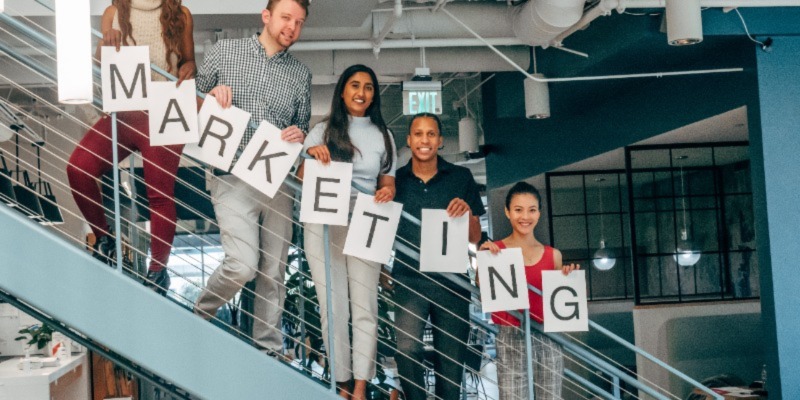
590 118
776 183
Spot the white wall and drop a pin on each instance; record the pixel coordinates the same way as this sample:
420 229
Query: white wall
714 338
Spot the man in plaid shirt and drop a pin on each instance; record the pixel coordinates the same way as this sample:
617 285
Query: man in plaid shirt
258 75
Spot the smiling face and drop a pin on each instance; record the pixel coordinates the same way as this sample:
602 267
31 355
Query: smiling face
523 213
357 94
283 24
424 139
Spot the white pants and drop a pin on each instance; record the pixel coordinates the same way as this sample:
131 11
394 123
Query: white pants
255 232
354 286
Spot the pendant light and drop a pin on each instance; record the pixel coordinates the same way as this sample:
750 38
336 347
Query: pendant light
684 22
537 93
74 51
603 258
686 254
467 128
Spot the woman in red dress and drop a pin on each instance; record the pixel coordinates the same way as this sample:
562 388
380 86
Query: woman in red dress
523 209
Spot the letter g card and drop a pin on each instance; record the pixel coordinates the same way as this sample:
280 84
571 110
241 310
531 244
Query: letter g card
565 301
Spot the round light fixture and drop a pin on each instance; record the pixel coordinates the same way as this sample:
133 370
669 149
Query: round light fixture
603 258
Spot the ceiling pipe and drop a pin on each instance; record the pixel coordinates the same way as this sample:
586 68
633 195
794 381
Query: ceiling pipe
586 78
604 8
401 44
538 22
387 27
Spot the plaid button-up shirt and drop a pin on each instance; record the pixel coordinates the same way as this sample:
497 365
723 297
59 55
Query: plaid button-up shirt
275 89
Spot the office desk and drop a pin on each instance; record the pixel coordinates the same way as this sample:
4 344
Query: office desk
68 381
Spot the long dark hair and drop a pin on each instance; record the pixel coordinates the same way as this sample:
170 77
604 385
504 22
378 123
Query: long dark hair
337 136
173 24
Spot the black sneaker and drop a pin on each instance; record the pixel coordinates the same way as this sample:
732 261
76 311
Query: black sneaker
158 281
105 250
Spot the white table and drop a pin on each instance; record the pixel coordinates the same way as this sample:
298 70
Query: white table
68 381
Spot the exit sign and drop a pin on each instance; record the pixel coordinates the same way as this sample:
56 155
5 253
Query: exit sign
422 97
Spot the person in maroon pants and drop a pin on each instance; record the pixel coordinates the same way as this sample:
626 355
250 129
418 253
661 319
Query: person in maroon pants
166 27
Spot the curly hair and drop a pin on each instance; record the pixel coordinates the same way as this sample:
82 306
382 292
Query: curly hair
172 20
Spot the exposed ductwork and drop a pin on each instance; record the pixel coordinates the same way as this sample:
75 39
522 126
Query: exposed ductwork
538 22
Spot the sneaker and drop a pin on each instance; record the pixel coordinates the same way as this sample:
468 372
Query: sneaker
158 281
105 250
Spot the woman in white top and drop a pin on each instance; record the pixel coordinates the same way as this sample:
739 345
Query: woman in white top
355 132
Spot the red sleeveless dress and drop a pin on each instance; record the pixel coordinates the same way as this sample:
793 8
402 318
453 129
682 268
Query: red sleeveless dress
533 274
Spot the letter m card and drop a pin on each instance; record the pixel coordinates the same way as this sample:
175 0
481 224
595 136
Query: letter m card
326 192
173 113
126 76
503 284
565 301
444 245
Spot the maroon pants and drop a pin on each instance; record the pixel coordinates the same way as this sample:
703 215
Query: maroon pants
93 158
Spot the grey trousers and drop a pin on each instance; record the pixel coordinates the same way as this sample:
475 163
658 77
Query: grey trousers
512 368
354 292
255 232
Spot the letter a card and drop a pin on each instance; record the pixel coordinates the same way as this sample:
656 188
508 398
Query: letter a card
267 159
503 284
173 113
444 245
372 229
565 301
326 192
125 75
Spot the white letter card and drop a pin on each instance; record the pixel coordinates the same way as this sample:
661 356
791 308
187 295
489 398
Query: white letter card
221 131
125 75
565 301
267 159
372 229
444 243
503 283
326 192
173 113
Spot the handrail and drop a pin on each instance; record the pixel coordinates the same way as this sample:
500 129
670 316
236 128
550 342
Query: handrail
398 246
85 290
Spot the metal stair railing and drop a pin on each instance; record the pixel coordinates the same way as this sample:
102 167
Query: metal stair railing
570 346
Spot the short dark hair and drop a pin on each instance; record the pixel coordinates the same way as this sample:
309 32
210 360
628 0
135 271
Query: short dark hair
426 115
302 3
522 188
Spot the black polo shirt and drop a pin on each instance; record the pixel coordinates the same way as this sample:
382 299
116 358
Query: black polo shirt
451 181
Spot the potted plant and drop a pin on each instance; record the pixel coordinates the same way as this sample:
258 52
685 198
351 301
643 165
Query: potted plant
39 335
